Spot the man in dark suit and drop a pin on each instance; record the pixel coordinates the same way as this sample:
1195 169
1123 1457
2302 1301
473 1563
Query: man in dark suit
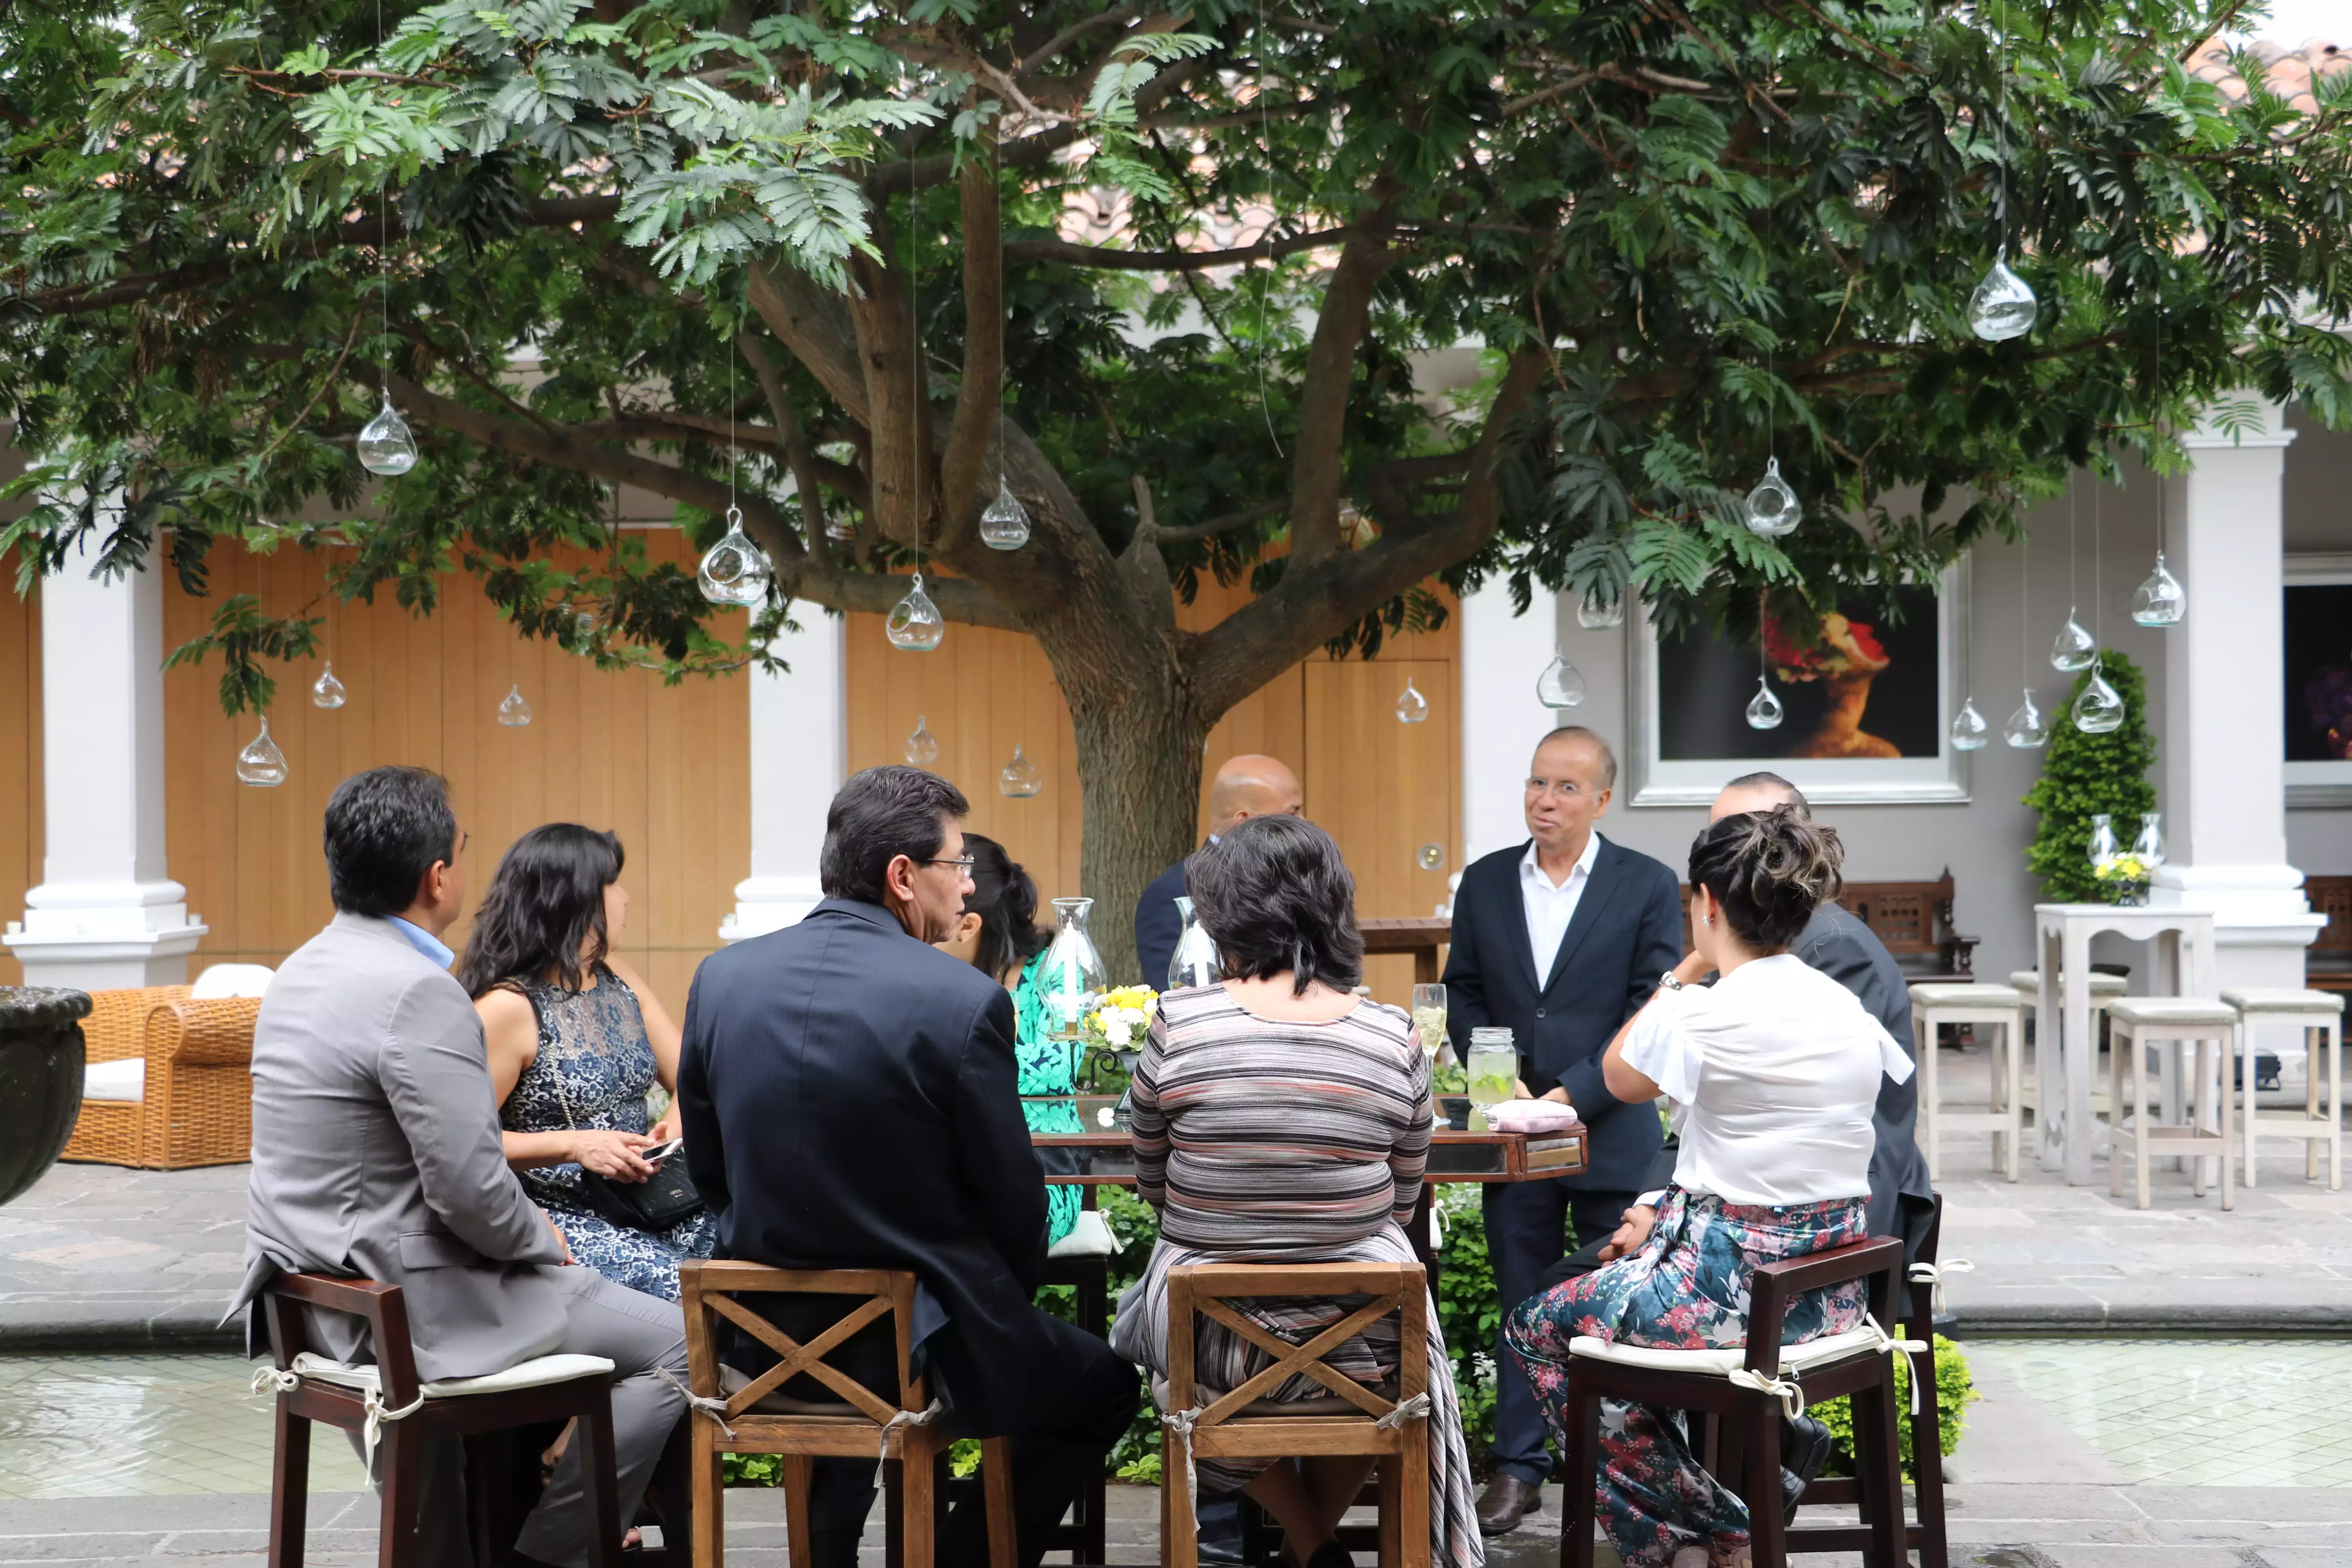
1245 787
1561 940
848 1095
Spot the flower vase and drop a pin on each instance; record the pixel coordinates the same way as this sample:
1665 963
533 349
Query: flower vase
2130 894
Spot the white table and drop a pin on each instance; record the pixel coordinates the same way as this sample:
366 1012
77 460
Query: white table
2183 942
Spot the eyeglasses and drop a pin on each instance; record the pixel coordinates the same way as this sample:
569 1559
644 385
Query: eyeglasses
962 863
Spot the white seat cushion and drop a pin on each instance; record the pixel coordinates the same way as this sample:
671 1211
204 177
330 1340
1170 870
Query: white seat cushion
1091 1236
2159 1010
537 1374
123 1081
1718 1363
2102 985
1947 995
2287 1000
231 980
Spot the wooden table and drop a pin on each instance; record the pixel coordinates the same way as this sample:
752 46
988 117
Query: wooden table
2182 941
1421 938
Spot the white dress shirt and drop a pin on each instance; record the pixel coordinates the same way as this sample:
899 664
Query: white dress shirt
1776 1069
1550 908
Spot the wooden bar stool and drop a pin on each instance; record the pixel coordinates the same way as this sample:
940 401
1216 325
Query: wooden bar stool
1393 1425
2105 988
1932 1006
2321 1015
1748 1390
2173 1023
395 1412
750 1416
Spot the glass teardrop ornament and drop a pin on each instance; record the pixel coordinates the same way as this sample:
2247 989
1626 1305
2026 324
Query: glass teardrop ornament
1593 613
514 712
1005 525
1764 710
2002 306
1968 728
2160 601
922 746
1412 708
327 691
1561 685
2099 711
1020 779
385 447
915 623
2027 729
2074 648
1772 509
261 764
735 571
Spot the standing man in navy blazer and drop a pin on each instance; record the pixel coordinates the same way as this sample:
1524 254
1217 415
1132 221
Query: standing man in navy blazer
1561 941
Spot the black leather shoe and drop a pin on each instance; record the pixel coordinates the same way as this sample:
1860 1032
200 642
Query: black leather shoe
1220 1530
1805 1445
1508 1500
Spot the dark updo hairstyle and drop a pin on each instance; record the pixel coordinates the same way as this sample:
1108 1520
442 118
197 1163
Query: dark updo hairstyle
1005 900
544 913
1274 894
1770 871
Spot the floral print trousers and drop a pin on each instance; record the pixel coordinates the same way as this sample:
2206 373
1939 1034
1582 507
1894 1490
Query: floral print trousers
1686 1288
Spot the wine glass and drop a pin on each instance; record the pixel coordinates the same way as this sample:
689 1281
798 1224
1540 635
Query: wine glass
1429 1017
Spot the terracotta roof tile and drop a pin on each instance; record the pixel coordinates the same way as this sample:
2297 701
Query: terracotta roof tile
2287 73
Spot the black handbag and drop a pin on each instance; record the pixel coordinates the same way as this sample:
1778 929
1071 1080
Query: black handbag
657 1202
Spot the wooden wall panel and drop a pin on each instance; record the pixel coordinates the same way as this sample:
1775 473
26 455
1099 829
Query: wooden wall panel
20 756
665 768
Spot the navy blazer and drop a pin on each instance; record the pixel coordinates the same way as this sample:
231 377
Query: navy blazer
1158 925
1627 931
849 1099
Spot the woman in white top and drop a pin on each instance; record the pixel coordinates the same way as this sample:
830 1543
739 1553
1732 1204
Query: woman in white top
1774 1071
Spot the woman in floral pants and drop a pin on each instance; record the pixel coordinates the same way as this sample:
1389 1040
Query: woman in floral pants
1775 1070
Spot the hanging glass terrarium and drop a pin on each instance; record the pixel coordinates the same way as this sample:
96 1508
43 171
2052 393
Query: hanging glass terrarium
327 691
915 623
261 764
2027 729
1595 614
385 447
1772 509
922 746
2099 709
2160 600
1411 708
1970 730
2074 649
1561 684
1764 710
1005 525
2002 306
1020 779
514 712
735 571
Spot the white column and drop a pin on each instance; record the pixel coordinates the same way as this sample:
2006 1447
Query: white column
1501 655
2224 739
107 915
800 753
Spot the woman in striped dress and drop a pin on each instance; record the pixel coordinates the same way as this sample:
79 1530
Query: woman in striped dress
1280 1119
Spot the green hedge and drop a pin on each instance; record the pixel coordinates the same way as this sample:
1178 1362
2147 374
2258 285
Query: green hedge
1954 1389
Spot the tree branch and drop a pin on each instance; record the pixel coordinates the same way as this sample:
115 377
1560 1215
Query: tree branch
797 456
978 414
918 174
1217 525
1316 476
1108 257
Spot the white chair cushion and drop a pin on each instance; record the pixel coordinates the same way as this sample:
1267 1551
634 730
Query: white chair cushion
1940 993
2289 1000
124 1081
231 980
539 1373
1719 1363
1091 1236
2171 1010
2102 985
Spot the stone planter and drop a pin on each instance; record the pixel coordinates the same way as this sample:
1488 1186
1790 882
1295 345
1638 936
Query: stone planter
40 1079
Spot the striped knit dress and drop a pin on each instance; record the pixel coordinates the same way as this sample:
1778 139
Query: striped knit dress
1261 1140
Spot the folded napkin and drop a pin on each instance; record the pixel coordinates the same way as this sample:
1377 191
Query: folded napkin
1531 1116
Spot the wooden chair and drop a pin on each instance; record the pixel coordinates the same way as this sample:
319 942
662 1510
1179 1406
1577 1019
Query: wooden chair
1912 919
753 1417
192 1099
399 1416
1748 1390
1933 1006
1207 1423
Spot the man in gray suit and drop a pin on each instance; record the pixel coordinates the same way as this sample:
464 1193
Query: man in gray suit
376 1154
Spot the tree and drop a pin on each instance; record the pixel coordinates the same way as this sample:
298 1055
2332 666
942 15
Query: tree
2086 774
817 259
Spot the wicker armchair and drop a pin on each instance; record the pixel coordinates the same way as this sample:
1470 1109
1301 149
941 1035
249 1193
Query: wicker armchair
195 1106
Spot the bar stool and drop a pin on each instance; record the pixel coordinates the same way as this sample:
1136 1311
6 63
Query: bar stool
1934 1005
2134 1024
2321 1015
751 1415
2105 988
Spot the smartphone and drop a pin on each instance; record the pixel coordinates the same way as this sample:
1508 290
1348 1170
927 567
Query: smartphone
654 1154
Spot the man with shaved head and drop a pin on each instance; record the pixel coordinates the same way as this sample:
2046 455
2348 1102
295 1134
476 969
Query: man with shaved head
1246 786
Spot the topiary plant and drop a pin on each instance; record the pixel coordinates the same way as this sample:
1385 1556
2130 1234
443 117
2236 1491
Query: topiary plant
2084 774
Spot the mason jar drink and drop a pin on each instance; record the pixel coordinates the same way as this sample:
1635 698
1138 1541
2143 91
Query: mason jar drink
1493 1068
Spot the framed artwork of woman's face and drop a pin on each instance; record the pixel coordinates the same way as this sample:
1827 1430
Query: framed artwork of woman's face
2318 668
1867 690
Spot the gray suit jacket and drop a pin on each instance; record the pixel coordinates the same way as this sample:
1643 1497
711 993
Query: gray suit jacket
376 1154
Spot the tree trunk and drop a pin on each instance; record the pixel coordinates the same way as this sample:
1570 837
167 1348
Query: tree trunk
1140 776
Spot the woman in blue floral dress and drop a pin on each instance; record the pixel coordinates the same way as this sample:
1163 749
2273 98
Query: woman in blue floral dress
999 936
1775 1070
577 1042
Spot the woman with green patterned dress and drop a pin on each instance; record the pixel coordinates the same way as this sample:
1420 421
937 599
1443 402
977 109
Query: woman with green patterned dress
999 935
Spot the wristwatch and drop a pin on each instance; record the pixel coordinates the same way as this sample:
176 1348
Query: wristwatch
1670 980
